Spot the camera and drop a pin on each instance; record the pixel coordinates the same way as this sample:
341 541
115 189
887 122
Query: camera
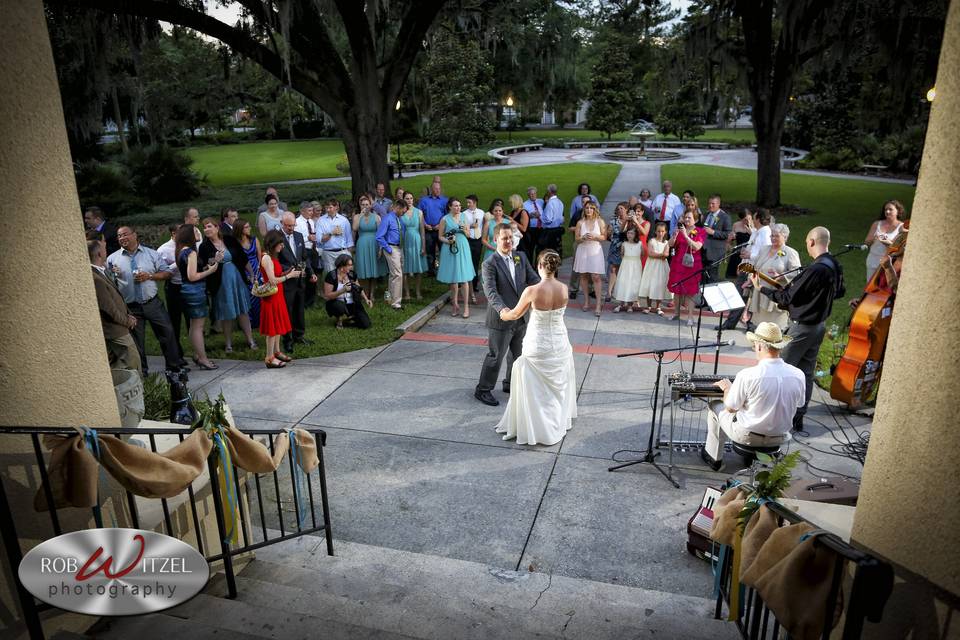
451 237
353 286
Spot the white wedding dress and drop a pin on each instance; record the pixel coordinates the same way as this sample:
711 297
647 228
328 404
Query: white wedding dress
543 398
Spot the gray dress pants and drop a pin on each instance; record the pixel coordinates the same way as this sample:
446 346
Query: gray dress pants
802 353
500 342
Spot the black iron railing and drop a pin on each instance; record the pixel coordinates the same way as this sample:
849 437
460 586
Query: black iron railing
871 586
264 528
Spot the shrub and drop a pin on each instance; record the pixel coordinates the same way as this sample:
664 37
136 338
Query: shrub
109 188
162 174
843 159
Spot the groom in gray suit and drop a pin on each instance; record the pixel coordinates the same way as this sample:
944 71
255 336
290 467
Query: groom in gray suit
506 274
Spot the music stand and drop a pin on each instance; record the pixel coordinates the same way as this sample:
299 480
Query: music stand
721 297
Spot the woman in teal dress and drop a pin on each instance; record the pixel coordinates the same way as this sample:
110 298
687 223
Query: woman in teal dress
414 245
456 267
370 265
489 230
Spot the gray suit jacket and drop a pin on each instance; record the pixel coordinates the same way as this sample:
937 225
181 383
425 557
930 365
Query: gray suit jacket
716 245
503 292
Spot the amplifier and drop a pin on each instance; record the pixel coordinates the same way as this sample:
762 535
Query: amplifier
833 490
698 527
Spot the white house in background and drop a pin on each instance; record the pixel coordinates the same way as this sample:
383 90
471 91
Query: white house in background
549 118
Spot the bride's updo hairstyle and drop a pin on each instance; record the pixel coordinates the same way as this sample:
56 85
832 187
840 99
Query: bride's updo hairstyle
550 261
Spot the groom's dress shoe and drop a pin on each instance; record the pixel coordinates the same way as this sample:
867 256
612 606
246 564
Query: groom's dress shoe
506 387
486 397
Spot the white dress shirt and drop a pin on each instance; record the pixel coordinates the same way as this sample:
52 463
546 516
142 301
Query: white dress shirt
306 227
474 220
508 259
167 254
766 395
759 242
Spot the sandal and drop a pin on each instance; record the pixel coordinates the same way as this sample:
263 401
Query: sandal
228 349
597 312
617 308
282 357
456 310
253 345
644 310
466 314
586 307
630 309
206 366
659 312
274 365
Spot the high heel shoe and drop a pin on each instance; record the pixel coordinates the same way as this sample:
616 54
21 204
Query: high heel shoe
206 366
456 310
274 365
282 357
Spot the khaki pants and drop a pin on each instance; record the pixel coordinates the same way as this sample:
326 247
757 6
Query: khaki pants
395 266
722 424
122 353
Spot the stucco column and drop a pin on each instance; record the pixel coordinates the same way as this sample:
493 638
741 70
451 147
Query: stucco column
909 506
53 363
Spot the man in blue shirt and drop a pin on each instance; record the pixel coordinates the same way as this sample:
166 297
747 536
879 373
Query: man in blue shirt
551 235
138 270
334 235
390 239
534 208
434 207
382 203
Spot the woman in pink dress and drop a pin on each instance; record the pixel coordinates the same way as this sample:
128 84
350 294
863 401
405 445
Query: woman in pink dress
686 241
588 260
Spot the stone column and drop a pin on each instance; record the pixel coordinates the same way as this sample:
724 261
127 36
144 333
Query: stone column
909 506
53 363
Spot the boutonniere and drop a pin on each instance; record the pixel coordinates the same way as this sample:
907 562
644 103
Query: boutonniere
516 259
781 253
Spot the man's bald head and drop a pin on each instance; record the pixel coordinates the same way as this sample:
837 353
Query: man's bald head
820 237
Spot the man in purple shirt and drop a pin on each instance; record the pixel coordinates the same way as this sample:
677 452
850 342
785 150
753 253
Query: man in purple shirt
390 240
434 207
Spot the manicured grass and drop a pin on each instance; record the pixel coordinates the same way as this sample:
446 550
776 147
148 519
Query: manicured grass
257 162
487 185
845 207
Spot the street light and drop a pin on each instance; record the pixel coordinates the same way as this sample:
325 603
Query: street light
931 94
510 121
399 163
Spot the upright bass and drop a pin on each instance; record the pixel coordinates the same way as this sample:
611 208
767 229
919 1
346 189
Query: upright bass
858 373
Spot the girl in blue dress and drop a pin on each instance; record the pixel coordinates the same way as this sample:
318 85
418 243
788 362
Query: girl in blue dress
456 267
368 263
489 230
243 232
414 245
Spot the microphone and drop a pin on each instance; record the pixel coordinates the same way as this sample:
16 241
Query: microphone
725 343
741 245
861 247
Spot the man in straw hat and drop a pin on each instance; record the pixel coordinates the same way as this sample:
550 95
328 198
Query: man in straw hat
758 406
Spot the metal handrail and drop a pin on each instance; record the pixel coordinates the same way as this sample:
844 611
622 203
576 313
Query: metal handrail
10 539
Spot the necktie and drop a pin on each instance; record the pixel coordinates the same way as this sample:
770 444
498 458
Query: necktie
293 246
663 210
709 222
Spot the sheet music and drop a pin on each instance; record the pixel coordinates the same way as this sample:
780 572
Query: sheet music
722 296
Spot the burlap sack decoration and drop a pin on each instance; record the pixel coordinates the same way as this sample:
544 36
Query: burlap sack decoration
73 470
794 579
758 530
725 513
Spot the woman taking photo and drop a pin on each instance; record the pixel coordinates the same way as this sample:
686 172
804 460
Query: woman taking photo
342 293
272 218
243 233
274 320
519 215
229 290
687 240
882 234
193 291
456 268
588 259
615 235
370 265
414 246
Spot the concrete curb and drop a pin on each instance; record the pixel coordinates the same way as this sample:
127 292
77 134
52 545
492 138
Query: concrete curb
422 317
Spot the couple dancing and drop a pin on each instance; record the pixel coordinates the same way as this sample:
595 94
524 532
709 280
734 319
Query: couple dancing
544 399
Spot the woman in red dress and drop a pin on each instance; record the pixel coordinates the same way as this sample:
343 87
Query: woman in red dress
687 240
274 321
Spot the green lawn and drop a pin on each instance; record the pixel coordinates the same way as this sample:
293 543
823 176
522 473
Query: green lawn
845 207
485 184
257 162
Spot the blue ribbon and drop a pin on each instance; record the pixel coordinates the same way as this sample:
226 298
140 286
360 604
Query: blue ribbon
229 487
718 568
299 479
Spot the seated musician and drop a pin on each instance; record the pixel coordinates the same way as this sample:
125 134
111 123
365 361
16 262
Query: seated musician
758 406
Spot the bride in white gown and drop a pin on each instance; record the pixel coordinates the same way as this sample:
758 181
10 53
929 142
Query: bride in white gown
543 398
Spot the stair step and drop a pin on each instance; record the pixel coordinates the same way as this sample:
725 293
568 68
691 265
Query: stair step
161 626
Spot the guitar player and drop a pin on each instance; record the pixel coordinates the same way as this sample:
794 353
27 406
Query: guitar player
809 300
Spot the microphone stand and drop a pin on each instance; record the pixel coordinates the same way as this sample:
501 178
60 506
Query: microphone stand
649 456
701 284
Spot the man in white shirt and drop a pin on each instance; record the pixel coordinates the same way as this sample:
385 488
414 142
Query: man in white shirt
474 220
758 406
551 233
334 235
307 226
171 287
534 207
665 206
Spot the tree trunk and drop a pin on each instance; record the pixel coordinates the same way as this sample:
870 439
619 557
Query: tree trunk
768 169
118 118
365 141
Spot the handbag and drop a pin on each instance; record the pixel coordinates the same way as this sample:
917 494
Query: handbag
687 259
263 289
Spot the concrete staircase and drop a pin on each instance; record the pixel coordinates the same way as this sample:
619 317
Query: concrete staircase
293 590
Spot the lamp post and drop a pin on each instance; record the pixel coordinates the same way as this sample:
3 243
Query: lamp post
399 162
510 121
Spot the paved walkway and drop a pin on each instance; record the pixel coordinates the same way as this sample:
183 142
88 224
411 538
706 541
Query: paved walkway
415 465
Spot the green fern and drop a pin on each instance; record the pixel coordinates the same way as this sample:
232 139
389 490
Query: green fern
769 484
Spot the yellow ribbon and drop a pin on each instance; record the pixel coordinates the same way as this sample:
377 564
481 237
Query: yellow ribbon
735 575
